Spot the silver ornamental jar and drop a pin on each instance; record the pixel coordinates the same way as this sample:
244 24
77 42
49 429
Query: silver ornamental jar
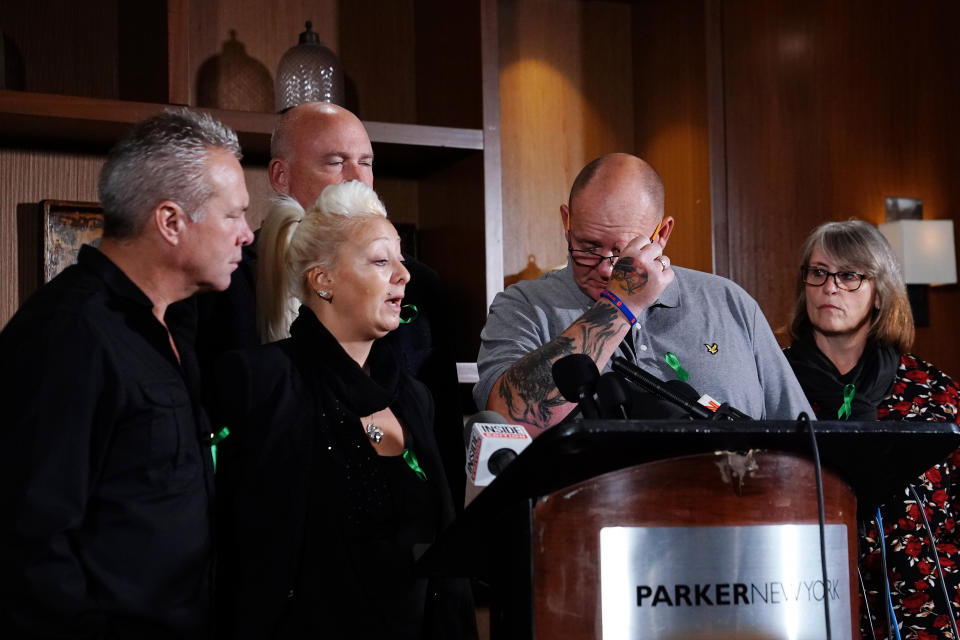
308 72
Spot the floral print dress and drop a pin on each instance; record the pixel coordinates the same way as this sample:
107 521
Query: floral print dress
921 393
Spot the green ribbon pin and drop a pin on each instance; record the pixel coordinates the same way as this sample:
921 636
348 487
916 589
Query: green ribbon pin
674 363
215 439
844 411
411 459
412 313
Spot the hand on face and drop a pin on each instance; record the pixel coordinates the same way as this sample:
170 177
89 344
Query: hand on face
641 274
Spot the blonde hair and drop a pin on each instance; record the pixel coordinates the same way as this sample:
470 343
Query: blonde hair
293 241
858 244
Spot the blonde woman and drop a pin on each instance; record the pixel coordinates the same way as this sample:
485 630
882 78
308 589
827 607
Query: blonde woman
335 484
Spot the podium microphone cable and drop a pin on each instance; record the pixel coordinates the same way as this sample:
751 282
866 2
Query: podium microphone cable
893 630
818 473
866 603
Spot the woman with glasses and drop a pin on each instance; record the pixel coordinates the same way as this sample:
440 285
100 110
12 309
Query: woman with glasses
852 329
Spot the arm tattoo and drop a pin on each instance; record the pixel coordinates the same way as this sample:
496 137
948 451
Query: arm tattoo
598 325
527 387
629 274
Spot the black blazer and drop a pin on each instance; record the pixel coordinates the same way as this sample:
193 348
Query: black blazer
279 400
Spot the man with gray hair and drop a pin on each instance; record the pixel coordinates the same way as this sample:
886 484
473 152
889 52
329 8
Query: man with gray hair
106 469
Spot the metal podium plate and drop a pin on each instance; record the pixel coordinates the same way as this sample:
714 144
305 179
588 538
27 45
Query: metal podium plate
762 581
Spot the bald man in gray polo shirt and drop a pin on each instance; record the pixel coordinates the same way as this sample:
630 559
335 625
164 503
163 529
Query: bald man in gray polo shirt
619 295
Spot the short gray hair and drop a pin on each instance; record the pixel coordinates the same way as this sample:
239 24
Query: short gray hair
163 158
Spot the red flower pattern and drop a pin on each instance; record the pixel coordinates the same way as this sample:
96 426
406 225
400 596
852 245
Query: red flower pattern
942 397
920 393
915 601
913 548
903 407
939 498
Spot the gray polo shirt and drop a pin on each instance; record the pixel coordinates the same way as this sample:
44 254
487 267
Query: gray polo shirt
716 330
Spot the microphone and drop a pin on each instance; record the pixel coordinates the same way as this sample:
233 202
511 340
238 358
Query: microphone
613 396
684 390
720 410
576 378
678 393
647 406
659 388
492 444
489 417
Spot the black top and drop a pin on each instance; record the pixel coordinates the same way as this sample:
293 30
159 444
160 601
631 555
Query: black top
823 384
424 346
326 531
105 472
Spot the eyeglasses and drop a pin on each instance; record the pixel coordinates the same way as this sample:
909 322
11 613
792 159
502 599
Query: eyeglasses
584 258
846 280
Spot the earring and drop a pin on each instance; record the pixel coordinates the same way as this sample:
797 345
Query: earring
323 293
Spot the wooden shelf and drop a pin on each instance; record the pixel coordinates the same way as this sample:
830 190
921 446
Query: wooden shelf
427 62
94 124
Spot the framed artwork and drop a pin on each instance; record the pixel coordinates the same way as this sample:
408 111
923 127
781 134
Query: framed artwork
49 236
65 227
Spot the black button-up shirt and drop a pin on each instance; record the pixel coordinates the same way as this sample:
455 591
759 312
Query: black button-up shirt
106 481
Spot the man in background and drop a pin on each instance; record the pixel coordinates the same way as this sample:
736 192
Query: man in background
106 475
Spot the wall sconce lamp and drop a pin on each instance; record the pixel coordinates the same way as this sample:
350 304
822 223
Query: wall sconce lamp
925 249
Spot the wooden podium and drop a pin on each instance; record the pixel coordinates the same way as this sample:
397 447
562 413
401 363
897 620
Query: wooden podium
697 508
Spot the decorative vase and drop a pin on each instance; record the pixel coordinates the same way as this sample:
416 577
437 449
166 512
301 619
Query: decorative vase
308 72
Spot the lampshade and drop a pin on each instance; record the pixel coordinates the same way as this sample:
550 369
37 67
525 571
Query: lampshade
925 249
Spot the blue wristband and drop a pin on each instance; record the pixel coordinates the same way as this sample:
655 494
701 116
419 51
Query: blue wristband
612 297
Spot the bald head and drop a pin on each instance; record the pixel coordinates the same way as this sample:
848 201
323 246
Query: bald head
621 180
615 199
315 145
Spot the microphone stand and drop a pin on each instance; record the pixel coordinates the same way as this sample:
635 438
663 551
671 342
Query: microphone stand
656 386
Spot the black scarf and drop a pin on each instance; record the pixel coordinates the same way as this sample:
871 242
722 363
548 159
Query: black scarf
360 393
872 377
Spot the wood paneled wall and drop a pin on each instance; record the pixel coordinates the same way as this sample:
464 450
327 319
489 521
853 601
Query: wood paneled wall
580 79
828 108
31 176
565 98
671 124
